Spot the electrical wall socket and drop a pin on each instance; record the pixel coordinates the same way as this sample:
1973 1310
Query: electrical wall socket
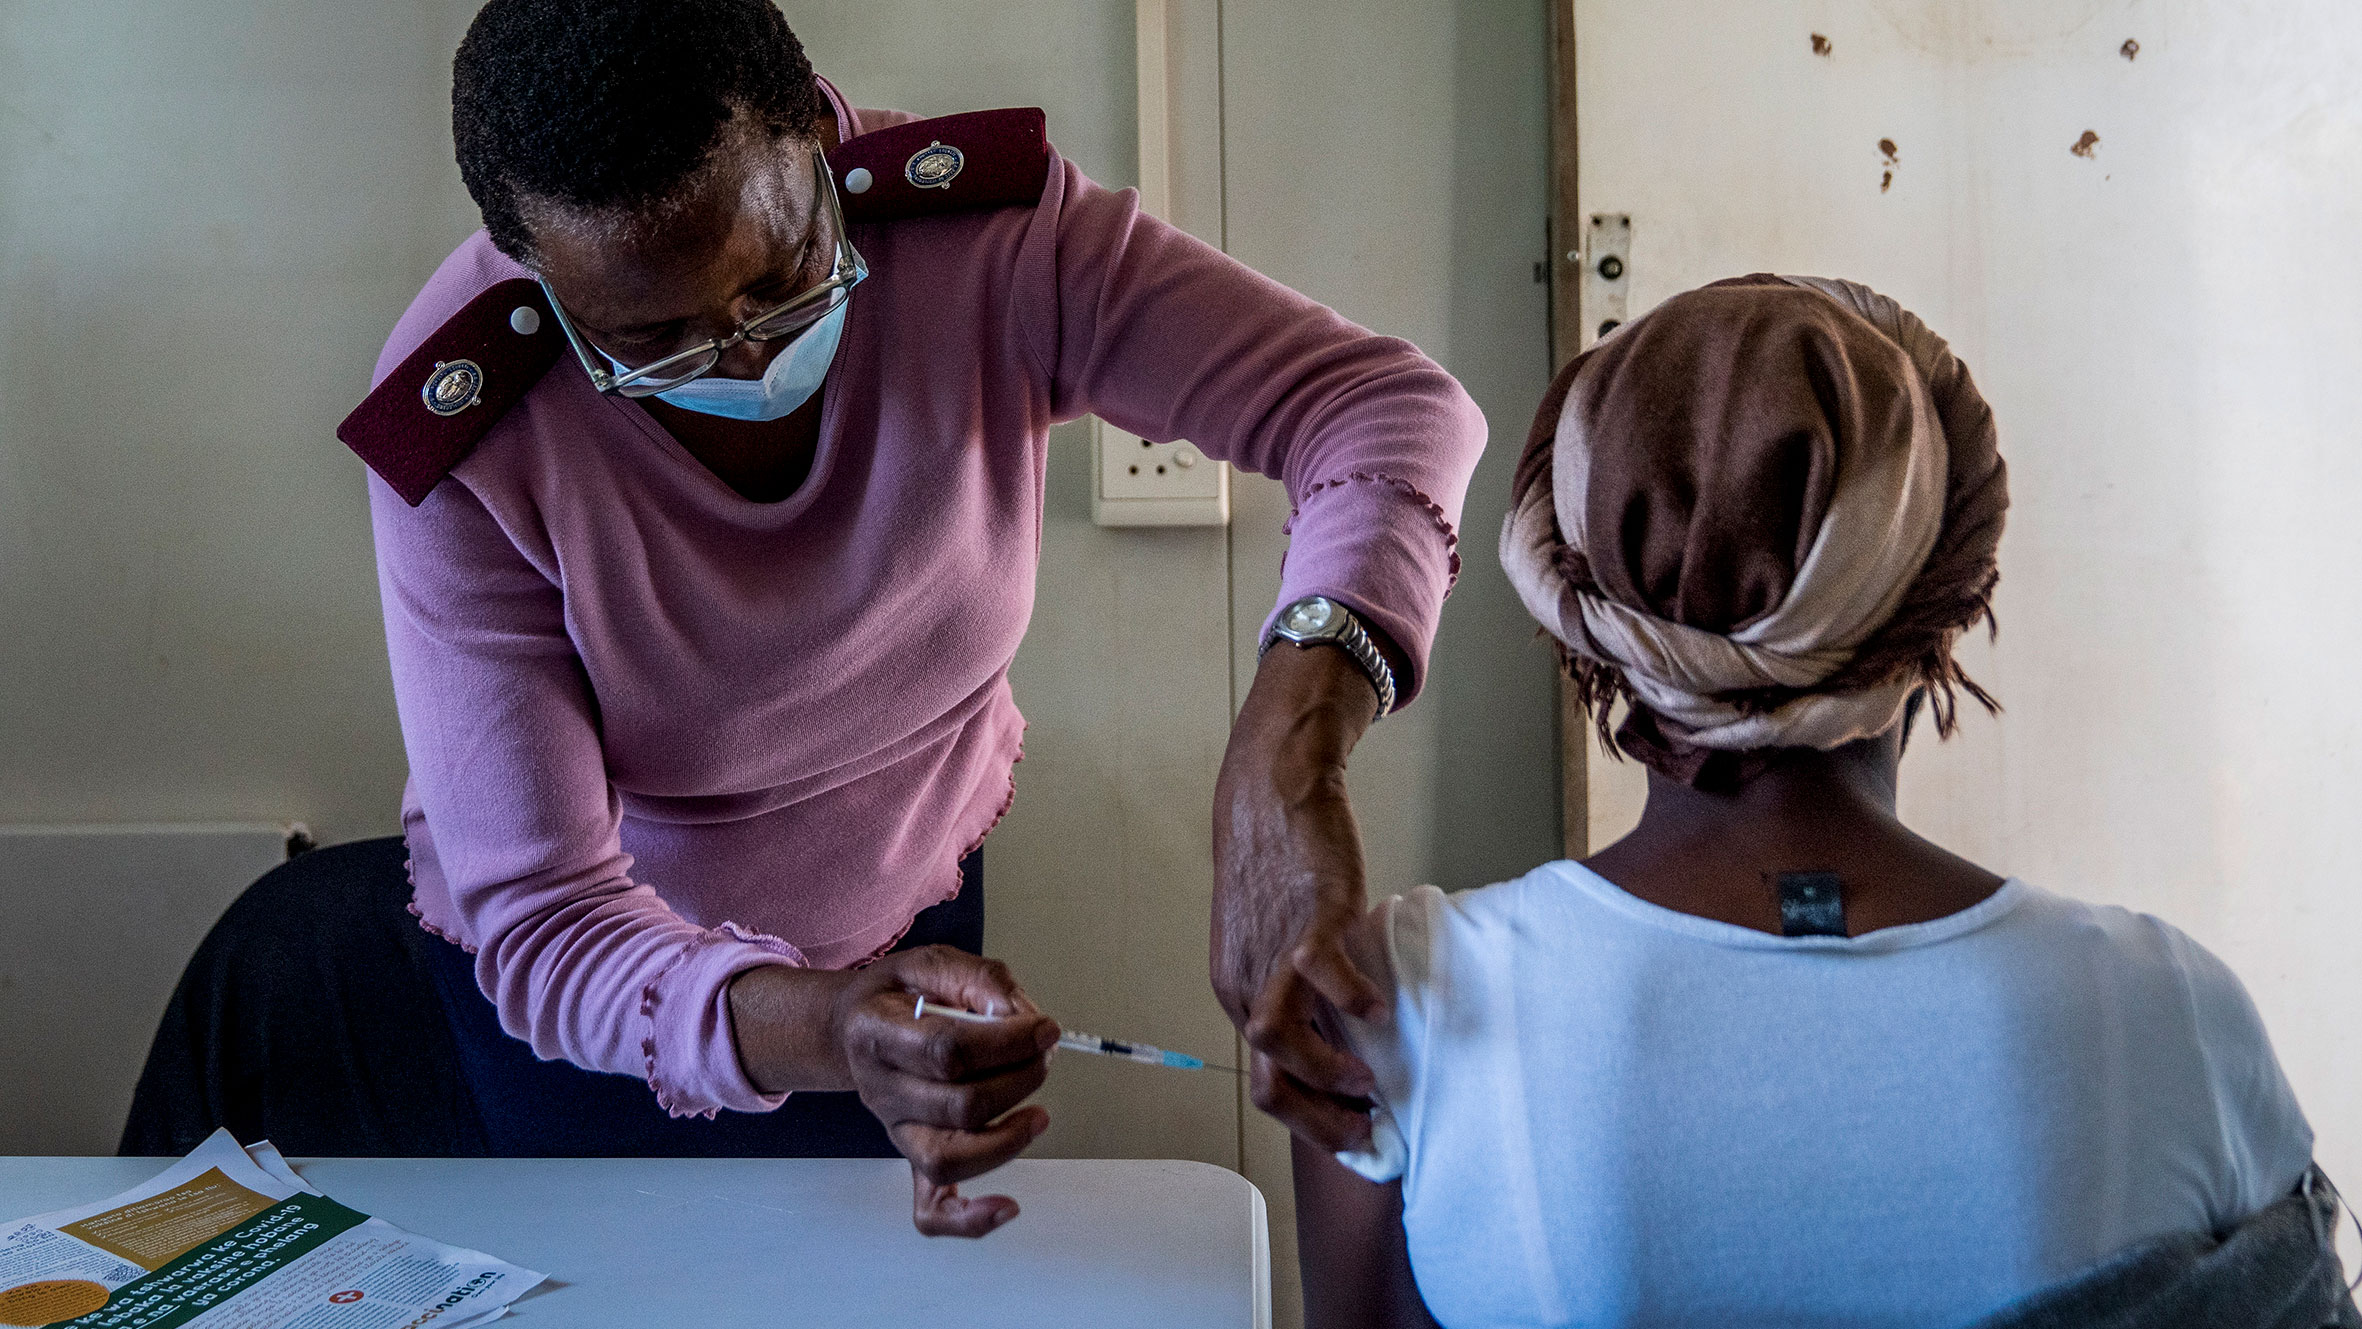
1140 483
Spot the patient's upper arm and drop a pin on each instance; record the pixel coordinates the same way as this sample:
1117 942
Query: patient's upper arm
1350 1245
1349 1235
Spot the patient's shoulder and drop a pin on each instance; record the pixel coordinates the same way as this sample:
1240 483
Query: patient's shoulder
2184 995
2173 978
1413 940
1389 942
2126 939
2138 948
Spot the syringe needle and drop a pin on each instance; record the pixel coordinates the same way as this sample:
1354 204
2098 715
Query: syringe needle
1082 1042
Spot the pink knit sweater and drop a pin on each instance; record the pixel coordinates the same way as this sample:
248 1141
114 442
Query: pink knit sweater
659 733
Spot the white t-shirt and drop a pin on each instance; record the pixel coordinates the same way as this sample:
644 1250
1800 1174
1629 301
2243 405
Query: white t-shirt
1616 1114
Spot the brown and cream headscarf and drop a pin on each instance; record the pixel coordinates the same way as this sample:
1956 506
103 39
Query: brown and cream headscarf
1761 514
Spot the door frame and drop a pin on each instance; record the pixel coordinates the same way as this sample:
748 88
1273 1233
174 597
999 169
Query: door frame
1566 340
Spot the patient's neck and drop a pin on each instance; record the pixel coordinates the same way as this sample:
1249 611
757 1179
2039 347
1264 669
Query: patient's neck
1719 855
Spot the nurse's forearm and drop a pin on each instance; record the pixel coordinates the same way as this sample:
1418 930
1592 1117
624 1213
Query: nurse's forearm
1285 842
781 1018
1288 883
1307 709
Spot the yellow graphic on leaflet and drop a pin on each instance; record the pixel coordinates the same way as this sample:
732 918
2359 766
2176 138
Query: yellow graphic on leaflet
153 1232
51 1301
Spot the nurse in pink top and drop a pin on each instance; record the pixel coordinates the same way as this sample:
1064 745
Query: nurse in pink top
708 485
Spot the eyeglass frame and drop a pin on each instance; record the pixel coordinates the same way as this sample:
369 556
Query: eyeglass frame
849 271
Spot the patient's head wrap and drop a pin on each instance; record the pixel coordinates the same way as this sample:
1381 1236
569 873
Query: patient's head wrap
1761 515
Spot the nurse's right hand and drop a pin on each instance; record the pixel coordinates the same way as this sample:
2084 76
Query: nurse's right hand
942 1086
947 1091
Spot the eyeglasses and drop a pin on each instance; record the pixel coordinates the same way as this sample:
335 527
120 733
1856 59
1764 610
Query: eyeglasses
786 320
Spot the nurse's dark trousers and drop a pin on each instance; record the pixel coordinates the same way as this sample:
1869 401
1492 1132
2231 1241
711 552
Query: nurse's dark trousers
318 1014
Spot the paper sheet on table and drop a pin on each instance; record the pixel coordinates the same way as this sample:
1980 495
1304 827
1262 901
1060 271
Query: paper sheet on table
231 1238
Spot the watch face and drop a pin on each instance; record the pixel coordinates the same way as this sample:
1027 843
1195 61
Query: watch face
1310 617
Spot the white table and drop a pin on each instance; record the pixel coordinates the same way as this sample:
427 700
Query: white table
655 1243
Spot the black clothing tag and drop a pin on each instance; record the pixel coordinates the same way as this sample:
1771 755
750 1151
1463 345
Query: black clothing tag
1811 905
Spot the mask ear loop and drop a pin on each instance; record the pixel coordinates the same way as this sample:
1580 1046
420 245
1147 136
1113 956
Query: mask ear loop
2327 1241
2338 1200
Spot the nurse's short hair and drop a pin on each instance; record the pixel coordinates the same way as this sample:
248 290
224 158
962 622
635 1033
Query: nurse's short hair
614 104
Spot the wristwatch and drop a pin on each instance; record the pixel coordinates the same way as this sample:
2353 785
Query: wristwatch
1317 620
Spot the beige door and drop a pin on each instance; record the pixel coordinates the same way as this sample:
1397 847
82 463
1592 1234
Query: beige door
2135 220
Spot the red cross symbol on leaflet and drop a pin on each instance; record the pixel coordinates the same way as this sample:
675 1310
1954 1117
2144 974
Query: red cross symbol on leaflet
345 1298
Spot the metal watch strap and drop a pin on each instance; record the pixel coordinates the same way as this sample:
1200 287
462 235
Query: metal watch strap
1355 641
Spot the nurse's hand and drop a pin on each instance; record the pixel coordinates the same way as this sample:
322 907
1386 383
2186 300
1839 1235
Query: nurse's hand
1288 884
947 1091
941 1086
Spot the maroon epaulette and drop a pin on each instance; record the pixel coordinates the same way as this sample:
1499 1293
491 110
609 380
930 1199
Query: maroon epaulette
430 412
979 159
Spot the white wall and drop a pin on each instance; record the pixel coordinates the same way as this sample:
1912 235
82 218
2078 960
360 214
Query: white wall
209 216
79 998
2167 331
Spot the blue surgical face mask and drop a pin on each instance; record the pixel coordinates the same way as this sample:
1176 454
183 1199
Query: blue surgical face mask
794 375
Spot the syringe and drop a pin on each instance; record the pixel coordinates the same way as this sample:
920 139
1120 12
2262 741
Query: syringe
1079 1042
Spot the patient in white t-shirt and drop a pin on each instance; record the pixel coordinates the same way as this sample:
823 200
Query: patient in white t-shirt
1773 1059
